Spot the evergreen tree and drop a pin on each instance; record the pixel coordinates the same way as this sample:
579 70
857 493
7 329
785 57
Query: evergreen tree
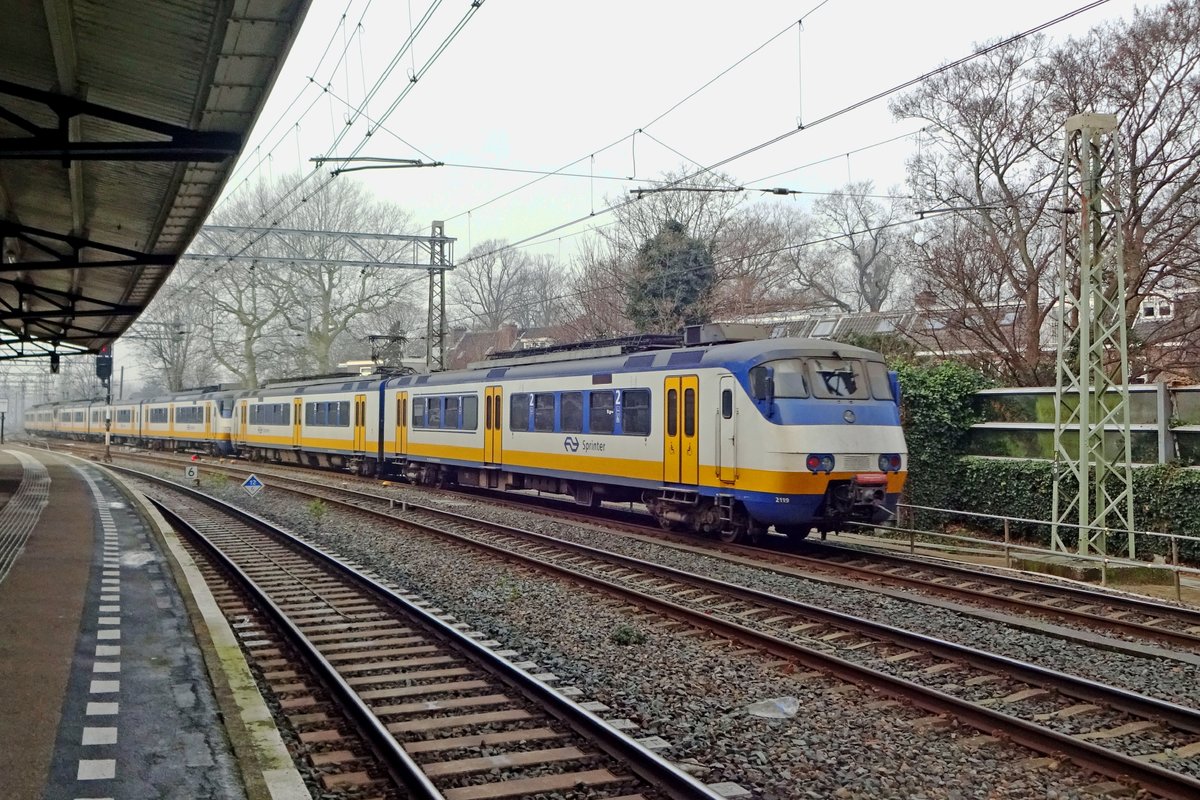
672 281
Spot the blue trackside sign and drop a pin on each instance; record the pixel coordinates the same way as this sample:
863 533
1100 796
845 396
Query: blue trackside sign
252 485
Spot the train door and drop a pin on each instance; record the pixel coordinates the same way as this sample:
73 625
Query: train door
360 422
241 431
402 423
493 430
208 420
681 451
297 422
727 431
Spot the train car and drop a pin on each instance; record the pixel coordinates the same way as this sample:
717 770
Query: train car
125 418
326 422
196 420
39 419
724 438
74 419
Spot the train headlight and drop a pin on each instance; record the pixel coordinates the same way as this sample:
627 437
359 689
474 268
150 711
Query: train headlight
819 462
889 462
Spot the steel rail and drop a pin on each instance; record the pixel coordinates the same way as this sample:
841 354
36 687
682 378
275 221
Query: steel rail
661 774
1040 738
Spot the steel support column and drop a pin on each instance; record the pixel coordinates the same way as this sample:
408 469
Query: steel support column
435 329
1093 482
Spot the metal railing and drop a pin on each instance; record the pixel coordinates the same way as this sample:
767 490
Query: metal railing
1008 547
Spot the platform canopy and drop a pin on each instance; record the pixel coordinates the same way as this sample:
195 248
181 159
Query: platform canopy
120 121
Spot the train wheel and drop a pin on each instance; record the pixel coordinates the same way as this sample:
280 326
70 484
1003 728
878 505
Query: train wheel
730 535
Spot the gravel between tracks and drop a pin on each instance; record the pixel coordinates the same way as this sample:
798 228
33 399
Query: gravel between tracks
681 687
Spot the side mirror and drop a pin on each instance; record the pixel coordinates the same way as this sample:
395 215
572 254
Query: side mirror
769 386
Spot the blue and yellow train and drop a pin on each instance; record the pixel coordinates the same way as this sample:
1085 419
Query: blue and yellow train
723 437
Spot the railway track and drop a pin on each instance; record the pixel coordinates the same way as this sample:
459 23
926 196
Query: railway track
445 716
1135 618
1109 730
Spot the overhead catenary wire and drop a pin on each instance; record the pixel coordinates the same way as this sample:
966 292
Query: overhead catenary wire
471 10
826 118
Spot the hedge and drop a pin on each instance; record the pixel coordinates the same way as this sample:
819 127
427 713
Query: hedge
938 411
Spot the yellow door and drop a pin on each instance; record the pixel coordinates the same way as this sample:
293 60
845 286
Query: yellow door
689 456
493 424
681 450
207 420
297 420
360 422
402 423
671 438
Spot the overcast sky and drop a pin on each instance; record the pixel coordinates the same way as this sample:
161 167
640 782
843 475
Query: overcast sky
537 84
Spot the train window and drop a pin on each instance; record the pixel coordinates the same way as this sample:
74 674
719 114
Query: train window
672 412
834 378
635 412
310 413
727 403
418 412
601 413
543 412
124 415
470 412
451 418
689 412
341 415
433 412
881 387
487 413
519 413
790 380
499 415
571 412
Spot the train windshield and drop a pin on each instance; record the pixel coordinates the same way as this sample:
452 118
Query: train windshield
838 378
790 380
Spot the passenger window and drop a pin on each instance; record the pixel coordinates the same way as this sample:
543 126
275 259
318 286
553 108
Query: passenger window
672 412
571 413
499 416
470 413
601 413
433 412
689 412
543 412
635 412
418 412
451 418
519 413
487 413
727 404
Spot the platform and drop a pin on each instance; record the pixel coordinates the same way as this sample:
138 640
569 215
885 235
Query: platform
106 688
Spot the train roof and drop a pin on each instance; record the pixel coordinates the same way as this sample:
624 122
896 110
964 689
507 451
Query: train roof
736 356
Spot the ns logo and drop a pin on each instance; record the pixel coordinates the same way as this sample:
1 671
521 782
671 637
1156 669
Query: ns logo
571 444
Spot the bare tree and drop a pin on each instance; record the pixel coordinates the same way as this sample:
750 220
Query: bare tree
865 244
754 269
490 284
306 316
992 158
172 337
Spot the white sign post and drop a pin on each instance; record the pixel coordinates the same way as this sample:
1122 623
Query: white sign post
191 472
253 485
